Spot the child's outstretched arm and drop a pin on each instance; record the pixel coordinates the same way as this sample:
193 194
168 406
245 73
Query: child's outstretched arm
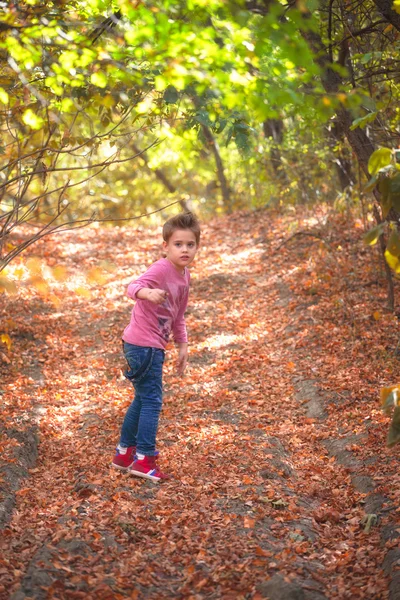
147 286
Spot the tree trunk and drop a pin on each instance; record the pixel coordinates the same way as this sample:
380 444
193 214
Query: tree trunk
343 164
225 189
385 7
273 129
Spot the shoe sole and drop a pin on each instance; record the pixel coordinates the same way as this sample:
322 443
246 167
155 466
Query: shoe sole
144 475
121 468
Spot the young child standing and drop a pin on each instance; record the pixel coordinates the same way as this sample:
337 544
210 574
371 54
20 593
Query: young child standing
161 295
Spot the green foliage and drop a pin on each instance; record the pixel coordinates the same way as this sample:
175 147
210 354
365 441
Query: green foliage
385 173
82 82
380 159
373 235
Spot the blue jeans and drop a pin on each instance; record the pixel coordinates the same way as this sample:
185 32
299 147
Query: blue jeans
141 420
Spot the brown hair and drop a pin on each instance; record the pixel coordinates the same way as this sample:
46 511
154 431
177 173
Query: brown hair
182 221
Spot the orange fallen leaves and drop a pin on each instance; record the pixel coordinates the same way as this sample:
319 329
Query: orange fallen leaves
248 458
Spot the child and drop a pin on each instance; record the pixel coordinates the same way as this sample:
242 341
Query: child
161 295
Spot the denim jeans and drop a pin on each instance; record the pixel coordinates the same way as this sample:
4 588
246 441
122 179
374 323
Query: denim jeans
141 420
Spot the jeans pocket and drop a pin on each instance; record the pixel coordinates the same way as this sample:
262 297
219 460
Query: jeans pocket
139 361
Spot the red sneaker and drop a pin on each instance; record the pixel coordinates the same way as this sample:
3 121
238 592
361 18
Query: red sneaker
146 467
123 460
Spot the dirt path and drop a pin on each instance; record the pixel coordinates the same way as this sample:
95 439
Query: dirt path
277 452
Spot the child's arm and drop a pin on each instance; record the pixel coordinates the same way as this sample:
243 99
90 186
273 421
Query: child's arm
180 335
183 357
156 296
147 286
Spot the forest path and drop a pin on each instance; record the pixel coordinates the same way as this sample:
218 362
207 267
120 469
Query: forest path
274 439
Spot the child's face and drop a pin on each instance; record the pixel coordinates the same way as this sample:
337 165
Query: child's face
181 248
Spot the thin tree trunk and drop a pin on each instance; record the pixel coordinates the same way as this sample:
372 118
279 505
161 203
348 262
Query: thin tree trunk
342 160
273 129
225 189
160 176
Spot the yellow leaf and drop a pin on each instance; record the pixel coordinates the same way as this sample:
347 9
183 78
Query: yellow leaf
34 265
19 272
40 285
96 275
60 273
82 291
5 338
376 315
7 285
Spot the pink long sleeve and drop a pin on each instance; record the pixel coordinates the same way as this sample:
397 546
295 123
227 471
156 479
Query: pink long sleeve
151 324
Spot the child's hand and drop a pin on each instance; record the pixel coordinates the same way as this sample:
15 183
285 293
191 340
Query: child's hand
182 358
156 296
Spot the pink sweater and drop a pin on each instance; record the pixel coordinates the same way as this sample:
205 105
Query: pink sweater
151 324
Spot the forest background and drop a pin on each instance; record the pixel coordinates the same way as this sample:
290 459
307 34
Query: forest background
115 110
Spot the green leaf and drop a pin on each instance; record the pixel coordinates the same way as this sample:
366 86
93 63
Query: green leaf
171 95
67 105
229 135
242 141
363 121
372 236
203 118
220 125
3 96
393 245
29 118
99 78
379 159
386 198
371 183
395 191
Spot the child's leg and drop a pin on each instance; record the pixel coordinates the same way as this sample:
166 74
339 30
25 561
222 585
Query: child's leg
150 391
138 359
130 424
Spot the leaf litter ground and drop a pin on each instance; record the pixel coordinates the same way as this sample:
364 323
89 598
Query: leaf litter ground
274 437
